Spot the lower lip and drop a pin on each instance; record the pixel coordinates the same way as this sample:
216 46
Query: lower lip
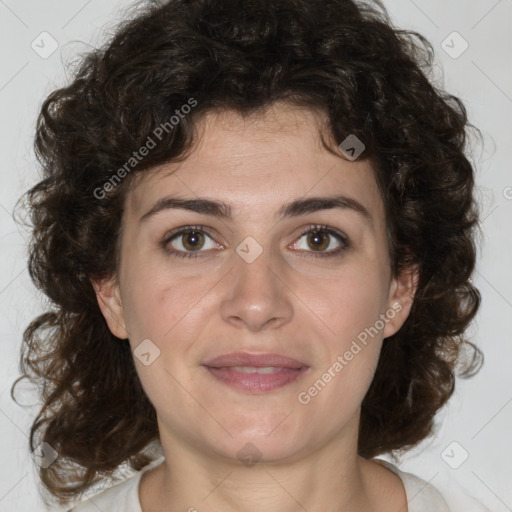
256 382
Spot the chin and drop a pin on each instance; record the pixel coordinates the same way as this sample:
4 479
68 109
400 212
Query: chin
254 444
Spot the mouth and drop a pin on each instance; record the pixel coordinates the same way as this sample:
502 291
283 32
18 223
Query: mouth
255 373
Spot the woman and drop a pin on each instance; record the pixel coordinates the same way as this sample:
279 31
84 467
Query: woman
257 229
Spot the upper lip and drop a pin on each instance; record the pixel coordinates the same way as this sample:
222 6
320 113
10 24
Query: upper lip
254 360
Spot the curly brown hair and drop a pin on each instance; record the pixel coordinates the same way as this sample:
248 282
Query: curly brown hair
346 59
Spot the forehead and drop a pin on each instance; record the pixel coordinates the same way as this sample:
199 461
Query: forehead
257 163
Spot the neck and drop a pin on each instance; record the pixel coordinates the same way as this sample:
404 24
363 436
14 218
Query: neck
331 478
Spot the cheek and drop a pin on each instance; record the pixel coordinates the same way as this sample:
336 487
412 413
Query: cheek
351 309
161 303
147 291
353 348
352 302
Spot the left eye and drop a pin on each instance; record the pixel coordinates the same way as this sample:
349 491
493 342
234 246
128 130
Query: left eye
320 238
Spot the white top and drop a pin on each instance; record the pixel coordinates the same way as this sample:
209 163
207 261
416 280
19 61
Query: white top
124 497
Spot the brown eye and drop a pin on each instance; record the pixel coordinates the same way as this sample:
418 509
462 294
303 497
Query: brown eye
187 242
320 238
192 240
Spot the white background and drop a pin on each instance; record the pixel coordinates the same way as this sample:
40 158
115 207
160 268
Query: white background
479 416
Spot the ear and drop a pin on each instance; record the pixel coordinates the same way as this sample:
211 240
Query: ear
400 299
109 301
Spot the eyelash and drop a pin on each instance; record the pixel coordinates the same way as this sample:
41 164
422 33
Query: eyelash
314 227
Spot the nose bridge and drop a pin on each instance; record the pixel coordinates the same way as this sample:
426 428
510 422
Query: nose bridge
256 295
253 265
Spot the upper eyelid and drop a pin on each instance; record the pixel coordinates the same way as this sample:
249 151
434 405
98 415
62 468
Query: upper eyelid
185 229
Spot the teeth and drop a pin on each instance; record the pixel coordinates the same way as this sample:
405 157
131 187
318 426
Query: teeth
253 369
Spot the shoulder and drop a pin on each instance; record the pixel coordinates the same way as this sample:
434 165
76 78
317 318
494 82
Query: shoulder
122 497
421 496
447 495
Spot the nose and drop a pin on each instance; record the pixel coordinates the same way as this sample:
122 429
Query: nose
257 297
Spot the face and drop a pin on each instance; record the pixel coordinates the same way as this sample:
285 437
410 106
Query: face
311 283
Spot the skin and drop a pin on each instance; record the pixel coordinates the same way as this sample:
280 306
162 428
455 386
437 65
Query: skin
286 301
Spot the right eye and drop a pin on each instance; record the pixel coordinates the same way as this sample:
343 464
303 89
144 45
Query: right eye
190 238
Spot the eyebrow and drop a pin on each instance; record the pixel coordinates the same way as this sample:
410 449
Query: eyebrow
292 209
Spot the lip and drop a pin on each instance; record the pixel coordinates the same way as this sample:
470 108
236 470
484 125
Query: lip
286 370
254 360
